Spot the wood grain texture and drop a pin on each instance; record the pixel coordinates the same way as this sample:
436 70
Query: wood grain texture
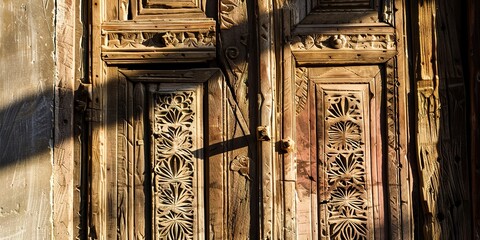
140 167
26 123
67 153
271 223
441 116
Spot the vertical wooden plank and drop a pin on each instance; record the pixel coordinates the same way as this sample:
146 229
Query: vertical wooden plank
403 83
140 168
377 156
306 153
270 224
217 226
97 184
288 106
392 155
114 177
235 46
473 23
130 158
120 177
441 123
428 113
66 153
455 194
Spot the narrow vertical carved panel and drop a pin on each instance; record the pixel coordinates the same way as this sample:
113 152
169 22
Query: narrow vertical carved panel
176 173
344 175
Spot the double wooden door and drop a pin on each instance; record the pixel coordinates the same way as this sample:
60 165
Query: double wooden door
235 119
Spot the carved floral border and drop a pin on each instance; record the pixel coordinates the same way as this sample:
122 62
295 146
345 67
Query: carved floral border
340 41
169 39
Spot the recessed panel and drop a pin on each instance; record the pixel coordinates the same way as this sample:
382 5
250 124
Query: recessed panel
177 174
345 197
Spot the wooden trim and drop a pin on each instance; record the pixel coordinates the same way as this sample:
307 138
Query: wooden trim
270 223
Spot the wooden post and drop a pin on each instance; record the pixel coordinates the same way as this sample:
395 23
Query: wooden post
441 120
266 107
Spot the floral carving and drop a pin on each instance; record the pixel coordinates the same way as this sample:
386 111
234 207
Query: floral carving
345 191
344 135
125 40
352 42
173 166
226 9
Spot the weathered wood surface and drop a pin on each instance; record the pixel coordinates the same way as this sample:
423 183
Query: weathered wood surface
69 193
26 115
359 32
473 36
271 217
441 120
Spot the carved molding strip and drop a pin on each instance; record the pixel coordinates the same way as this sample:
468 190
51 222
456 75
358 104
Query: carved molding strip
343 42
174 166
156 40
301 89
393 154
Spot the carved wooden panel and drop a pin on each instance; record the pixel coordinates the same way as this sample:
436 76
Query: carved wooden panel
339 156
150 31
345 195
177 173
343 47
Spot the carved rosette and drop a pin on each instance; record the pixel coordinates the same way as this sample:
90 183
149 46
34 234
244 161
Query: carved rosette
345 42
344 192
138 40
173 166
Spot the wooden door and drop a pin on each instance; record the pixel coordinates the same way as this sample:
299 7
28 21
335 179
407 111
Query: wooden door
344 75
171 150
237 119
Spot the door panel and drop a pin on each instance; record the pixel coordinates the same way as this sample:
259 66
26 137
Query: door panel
177 162
339 153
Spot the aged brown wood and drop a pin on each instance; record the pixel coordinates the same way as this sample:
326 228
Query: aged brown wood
69 212
270 219
321 33
473 34
269 96
441 115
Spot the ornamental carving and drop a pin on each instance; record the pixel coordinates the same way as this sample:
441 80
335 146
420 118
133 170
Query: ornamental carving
346 213
173 166
301 89
350 42
126 40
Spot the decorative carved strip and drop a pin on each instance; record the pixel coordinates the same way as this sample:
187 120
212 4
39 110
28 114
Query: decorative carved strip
393 155
149 40
345 188
339 41
174 166
301 89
